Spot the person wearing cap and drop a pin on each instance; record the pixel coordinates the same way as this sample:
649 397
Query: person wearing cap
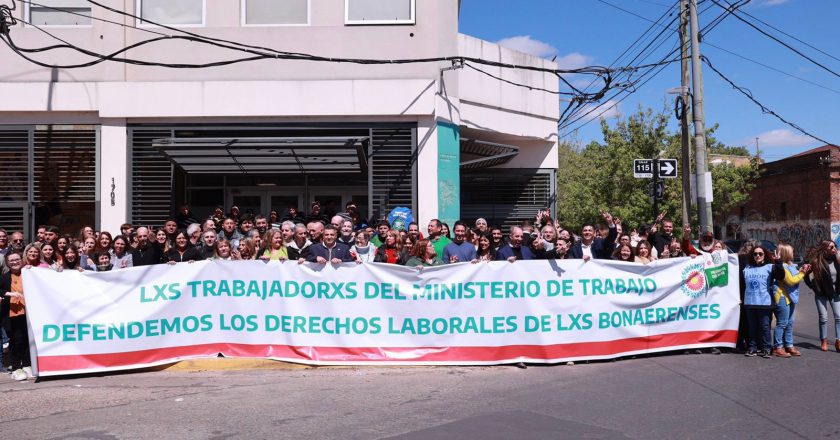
707 242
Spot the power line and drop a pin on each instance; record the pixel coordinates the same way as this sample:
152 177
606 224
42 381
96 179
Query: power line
772 37
764 109
789 35
704 30
772 68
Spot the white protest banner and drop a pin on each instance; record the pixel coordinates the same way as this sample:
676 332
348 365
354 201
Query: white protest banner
464 314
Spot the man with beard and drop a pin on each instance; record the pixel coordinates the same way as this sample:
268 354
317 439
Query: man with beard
439 241
460 250
261 223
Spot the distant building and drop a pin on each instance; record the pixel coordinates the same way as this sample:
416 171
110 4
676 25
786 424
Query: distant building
738 161
796 200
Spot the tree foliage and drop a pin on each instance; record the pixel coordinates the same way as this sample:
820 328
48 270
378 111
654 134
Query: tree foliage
600 175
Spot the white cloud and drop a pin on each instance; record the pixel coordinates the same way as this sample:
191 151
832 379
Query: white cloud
770 2
573 60
524 43
611 109
780 138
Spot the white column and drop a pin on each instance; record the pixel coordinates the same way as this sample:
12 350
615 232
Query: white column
113 175
427 169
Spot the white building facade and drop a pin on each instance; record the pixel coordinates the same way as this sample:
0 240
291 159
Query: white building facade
115 142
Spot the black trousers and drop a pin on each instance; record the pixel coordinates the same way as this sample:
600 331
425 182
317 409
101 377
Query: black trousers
18 342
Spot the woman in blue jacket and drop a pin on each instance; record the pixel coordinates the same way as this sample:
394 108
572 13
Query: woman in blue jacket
758 279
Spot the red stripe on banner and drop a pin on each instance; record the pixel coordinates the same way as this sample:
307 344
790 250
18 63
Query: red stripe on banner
373 355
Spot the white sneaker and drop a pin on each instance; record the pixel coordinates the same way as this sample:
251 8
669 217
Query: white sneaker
5 345
28 372
19 375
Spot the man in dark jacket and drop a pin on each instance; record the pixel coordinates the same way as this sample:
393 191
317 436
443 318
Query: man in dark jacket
329 250
591 246
514 250
146 253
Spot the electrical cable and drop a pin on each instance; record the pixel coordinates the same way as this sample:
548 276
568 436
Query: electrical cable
788 35
764 109
774 38
772 68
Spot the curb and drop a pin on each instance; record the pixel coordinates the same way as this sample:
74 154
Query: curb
230 364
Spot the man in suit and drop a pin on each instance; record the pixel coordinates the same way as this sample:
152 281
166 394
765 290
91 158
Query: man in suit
591 246
513 250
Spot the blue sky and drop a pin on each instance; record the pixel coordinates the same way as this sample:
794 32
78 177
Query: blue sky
588 32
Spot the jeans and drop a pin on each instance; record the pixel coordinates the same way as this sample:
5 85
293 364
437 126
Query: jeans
759 321
822 309
4 340
784 325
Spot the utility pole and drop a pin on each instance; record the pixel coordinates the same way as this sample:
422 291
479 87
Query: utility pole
704 207
684 83
655 190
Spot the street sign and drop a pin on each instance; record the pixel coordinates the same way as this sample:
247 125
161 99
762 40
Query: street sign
643 168
668 168
657 190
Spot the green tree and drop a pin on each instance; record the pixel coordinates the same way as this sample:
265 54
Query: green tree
600 175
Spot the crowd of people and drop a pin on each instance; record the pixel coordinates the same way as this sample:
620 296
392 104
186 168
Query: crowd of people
769 283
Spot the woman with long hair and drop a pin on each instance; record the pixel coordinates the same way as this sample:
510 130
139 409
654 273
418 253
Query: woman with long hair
48 255
423 255
222 251
247 250
32 257
484 252
787 296
643 252
60 245
162 241
183 250
71 259
825 282
758 276
120 256
274 248
13 308
103 243
86 253
624 252
391 250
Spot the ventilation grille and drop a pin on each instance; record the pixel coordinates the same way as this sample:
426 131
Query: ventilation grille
13 218
64 166
392 165
14 158
505 198
151 179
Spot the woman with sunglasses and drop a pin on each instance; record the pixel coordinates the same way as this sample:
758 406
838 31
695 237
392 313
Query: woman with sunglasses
825 282
758 277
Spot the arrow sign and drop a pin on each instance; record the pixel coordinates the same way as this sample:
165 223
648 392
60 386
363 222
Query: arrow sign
668 168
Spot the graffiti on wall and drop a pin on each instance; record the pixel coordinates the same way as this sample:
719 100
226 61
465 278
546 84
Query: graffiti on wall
802 235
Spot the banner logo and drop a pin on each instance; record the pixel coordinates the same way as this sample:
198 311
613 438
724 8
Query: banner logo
694 281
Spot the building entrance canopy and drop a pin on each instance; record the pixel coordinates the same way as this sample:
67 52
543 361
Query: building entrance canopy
267 155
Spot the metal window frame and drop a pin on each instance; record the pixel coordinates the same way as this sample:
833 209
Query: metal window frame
348 22
243 16
27 12
140 23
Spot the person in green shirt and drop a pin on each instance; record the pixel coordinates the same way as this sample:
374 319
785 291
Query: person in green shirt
439 241
423 255
382 230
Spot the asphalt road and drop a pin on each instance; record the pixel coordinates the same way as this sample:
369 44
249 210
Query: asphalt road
665 396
